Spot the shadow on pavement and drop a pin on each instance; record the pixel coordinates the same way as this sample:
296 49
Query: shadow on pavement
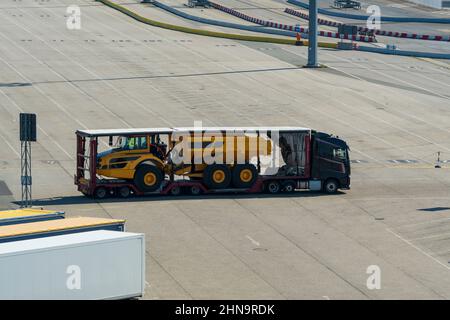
69 200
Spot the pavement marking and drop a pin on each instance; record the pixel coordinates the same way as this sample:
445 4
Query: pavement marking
251 120
424 222
414 73
256 243
58 105
418 249
168 89
10 146
39 127
368 114
394 78
95 101
386 88
382 120
123 93
430 237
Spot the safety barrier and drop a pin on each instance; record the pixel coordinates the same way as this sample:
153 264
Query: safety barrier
377 32
231 36
288 27
416 54
365 17
222 23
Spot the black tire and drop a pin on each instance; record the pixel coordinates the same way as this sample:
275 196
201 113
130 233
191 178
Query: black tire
217 176
244 175
175 191
331 186
273 187
288 186
123 192
100 193
148 178
195 190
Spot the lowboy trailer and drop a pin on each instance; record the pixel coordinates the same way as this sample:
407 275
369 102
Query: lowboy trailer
165 161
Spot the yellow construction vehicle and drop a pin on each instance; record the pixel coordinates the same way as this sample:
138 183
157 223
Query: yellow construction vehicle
146 160
138 158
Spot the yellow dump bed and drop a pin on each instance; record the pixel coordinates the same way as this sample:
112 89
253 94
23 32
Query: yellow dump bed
57 227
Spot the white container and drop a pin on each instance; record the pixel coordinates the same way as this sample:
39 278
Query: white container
89 265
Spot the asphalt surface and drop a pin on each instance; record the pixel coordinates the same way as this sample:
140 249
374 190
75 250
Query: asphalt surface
115 72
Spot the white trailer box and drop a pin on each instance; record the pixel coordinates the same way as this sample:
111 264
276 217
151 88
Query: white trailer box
89 265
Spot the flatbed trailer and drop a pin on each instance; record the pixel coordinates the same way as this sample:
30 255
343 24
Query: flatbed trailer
42 229
91 184
28 215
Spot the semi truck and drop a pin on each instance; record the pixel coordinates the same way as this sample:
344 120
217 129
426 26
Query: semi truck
124 162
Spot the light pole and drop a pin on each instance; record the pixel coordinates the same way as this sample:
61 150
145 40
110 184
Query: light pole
312 46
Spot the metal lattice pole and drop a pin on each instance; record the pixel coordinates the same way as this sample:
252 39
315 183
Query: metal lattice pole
25 150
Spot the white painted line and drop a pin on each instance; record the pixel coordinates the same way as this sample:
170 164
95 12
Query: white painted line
414 73
10 146
313 74
374 117
430 237
61 76
38 126
418 249
256 243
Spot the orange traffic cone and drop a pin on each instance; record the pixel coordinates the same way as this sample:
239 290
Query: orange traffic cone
299 39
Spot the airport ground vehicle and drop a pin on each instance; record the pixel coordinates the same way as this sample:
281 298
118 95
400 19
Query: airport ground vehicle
50 228
147 161
90 265
28 215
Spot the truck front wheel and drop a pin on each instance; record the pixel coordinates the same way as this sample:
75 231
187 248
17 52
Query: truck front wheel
148 178
331 186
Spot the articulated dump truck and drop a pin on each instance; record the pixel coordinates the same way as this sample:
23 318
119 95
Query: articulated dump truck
124 162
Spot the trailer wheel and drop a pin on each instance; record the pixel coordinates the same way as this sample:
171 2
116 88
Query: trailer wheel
175 191
217 176
123 192
331 186
148 178
195 190
100 193
289 186
244 175
273 187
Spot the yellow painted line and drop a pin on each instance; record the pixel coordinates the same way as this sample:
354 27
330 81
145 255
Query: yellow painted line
206 32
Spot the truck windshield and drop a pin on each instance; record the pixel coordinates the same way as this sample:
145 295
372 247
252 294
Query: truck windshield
131 143
340 153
